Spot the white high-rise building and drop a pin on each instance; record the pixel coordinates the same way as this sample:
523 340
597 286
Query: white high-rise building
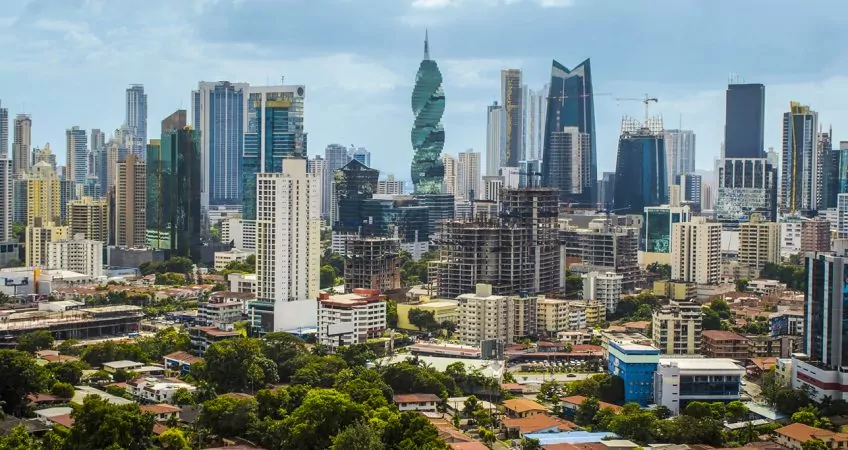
535 110
337 157
317 166
468 176
6 198
450 182
495 139
79 255
696 251
492 188
604 287
390 186
679 153
136 118
76 158
288 247
802 174
4 133
484 316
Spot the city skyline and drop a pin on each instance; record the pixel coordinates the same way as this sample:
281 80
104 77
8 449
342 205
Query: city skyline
373 76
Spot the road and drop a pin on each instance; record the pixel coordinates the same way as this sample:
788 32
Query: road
542 377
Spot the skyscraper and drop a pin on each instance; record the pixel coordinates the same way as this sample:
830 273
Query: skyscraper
22 144
570 104
495 139
337 157
131 200
690 188
6 199
4 133
136 117
89 217
274 132
43 195
640 173
679 153
361 154
76 158
173 189
569 158
316 165
353 184
428 134
696 251
98 139
511 98
745 186
219 113
450 181
288 247
468 175
802 173
535 108
745 121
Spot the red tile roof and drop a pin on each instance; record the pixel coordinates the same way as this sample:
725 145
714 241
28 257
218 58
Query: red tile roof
65 420
720 335
160 408
537 423
578 400
522 405
469 446
803 433
185 357
416 398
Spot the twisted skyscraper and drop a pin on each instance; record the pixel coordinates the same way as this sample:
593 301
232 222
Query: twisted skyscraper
428 135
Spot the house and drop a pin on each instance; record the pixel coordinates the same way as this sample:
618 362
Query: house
161 411
474 445
203 337
115 366
538 423
42 400
570 404
58 415
157 390
793 435
181 361
417 402
522 407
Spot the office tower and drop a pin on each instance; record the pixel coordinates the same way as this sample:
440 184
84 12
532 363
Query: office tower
603 287
428 134
372 263
316 165
90 218
606 190
43 154
361 154
679 153
136 118
468 175
78 254
38 239
696 251
744 121
676 328
511 99
22 144
173 190
815 235
354 184
131 200
529 173
43 196
640 172
450 181
98 139
390 186
274 132
570 105
76 158
569 156
690 188
219 112
835 171
117 149
495 139
535 106
4 133
7 196
657 228
337 157
745 186
759 243
287 237
801 176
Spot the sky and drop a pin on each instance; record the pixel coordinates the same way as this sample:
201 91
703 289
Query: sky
68 62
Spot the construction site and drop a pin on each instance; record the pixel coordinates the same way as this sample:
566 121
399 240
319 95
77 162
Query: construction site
517 252
372 263
72 324
604 247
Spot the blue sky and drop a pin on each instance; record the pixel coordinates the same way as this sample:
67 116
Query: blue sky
67 62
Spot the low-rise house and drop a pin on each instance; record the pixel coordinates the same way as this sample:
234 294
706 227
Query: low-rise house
162 412
203 337
417 402
795 434
570 404
522 407
115 366
157 390
181 361
42 400
539 423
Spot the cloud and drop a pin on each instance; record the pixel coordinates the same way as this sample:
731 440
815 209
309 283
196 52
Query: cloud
475 73
429 4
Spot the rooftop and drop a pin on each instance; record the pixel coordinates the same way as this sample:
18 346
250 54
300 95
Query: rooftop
803 433
123 364
416 398
701 363
185 357
720 335
538 422
578 400
522 405
160 408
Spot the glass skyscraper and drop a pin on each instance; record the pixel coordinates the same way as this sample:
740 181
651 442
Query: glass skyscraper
428 134
745 121
802 174
640 172
136 118
274 132
569 161
76 159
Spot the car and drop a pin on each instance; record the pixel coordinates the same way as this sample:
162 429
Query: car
571 375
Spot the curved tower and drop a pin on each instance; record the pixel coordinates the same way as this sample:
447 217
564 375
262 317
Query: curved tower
428 135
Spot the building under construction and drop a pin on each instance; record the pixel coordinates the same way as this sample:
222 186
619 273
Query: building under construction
372 263
517 252
605 248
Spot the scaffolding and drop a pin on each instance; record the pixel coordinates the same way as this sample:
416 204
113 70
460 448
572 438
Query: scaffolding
372 263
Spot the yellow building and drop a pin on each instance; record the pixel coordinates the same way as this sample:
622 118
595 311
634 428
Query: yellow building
43 194
553 315
596 312
38 239
674 290
443 310
90 218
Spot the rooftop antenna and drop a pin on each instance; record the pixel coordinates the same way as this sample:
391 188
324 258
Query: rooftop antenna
282 79
426 44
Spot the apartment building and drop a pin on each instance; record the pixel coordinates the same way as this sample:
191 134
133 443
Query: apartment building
676 328
346 319
724 344
696 251
484 316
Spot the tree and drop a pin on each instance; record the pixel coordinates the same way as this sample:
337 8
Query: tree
35 341
663 270
173 439
711 320
20 376
328 276
391 314
550 392
423 320
63 390
410 430
182 397
814 444
334 260
100 424
19 438
67 372
323 414
470 406
662 412
637 426
285 350
319 372
229 416
698 410
487 436
236 365
359 436
585 412
736 411
356 354
530 444
573 284
742 284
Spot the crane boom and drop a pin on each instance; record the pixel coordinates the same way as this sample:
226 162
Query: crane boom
647 101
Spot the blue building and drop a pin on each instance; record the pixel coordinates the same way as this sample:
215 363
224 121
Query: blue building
745 121
640 172
636 364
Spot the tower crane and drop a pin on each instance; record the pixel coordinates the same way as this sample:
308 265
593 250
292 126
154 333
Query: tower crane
647 101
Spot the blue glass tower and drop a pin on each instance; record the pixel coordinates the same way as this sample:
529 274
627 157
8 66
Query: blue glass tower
569 162
640 173
428 135
274 132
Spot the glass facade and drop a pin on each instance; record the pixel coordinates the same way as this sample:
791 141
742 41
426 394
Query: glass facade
658 230
640 177
746 186
354 183
274 132
826 311
709 385
224 129
745 121
570 104
428 134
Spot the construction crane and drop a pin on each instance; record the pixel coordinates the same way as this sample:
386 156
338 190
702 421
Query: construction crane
647 101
